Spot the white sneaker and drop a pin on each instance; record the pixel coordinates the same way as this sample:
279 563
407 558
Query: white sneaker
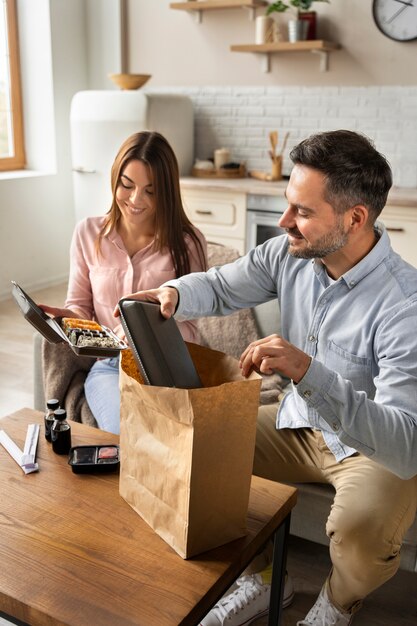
289 592
246 603
324 613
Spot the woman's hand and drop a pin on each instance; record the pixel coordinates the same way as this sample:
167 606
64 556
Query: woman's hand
119 332
54 311
274 353
167 296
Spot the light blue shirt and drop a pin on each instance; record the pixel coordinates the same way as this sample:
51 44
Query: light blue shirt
361 332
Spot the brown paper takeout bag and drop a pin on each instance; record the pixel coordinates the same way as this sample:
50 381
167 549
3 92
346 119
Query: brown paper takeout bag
187 454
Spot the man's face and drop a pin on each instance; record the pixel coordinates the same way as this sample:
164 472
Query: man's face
314 229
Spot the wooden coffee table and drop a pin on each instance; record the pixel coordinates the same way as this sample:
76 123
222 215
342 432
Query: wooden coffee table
73 552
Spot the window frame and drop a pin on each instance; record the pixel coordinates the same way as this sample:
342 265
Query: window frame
18 160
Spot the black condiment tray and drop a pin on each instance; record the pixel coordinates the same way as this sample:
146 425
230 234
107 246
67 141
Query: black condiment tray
51 329
86 459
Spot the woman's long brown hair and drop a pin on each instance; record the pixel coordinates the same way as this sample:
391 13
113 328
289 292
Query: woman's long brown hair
171 222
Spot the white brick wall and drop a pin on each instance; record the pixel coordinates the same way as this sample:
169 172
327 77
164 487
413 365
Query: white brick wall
239 118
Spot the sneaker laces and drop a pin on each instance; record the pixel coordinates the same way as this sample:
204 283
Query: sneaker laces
332 618
249 587
324 613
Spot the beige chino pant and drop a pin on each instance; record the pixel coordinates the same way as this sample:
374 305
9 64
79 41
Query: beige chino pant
370 514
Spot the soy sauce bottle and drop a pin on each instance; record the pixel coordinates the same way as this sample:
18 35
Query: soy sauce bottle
61 432
51 406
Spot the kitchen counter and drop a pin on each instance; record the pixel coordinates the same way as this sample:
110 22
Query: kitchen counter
402 196
239 185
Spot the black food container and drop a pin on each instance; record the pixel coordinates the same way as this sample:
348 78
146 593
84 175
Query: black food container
94 459
50 328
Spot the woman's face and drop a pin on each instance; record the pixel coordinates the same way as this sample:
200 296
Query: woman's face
135 195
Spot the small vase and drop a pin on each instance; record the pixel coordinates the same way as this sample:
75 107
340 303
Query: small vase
264 29
279 33
311 18
297 30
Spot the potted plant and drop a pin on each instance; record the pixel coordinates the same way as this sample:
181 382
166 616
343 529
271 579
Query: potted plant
304 26
304 12
277 7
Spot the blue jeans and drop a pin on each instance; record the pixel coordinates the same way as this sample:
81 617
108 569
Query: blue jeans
102 393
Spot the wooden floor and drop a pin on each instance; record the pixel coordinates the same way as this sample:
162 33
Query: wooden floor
395 604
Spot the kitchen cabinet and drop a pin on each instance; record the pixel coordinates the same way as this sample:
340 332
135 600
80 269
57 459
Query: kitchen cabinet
219 208
219 214
401 224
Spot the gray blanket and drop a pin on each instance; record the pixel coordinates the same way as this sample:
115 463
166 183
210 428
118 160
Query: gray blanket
64 374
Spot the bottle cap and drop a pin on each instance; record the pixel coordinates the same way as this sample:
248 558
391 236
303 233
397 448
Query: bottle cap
53 404
60 414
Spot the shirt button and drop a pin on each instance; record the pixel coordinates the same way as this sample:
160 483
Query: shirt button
312 338
307 393
335 426
352 283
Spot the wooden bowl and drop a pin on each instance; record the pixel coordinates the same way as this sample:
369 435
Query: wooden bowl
129 81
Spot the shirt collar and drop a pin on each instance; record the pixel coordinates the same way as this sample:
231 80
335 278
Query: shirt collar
372 260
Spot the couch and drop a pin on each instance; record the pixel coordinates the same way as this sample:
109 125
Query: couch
231 335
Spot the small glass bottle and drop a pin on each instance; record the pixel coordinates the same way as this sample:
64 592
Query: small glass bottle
51 406
61 432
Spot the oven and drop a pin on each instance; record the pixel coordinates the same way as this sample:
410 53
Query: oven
262 215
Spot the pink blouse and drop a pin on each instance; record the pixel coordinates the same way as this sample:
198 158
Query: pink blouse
98 281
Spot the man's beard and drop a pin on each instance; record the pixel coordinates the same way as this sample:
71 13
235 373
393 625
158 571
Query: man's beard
322 247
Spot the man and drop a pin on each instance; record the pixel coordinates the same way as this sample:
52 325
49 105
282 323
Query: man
349 345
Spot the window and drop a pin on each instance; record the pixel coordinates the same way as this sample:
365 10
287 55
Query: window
12 154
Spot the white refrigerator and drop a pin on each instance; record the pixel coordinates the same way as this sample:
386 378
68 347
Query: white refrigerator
101 120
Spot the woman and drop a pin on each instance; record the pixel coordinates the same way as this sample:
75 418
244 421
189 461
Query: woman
143 240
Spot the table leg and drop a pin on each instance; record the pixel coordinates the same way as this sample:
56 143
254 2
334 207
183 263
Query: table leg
278 572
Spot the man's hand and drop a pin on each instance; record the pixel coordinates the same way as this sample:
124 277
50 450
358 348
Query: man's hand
273 353
167 296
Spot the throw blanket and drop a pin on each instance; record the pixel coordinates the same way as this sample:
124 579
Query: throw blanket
64 374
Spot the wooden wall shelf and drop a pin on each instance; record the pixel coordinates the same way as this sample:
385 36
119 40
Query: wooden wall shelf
318 46
211 5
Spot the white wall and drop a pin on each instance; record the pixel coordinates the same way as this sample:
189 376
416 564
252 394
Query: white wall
371 85
37 208
176 50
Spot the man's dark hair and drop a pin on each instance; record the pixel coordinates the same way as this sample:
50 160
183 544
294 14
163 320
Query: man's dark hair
356 173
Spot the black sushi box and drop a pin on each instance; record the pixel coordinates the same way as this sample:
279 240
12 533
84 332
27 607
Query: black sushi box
51 329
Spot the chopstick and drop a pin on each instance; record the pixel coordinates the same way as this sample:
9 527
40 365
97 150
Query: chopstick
273 137
287 134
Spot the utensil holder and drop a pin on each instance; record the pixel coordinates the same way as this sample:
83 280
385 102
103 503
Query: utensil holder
276 168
